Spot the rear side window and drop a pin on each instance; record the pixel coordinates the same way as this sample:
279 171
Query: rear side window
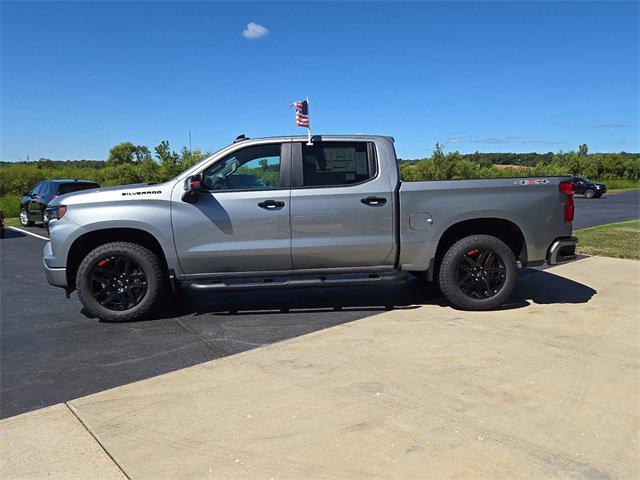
75 187
337 163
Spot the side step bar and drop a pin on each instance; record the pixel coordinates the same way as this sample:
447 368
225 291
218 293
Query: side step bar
320 281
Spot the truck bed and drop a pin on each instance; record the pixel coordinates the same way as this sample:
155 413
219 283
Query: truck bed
428 208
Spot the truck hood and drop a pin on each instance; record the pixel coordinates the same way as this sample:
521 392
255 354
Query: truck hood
119 192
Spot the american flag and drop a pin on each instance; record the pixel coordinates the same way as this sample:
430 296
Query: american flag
302 113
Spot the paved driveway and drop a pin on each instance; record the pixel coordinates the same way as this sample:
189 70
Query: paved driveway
545 389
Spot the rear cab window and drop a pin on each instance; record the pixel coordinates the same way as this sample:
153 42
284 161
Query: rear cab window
326 164
75 187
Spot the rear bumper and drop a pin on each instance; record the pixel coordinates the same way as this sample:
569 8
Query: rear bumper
562 250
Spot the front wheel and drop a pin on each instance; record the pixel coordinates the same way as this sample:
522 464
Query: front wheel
120 282
478 273
589 193
24 219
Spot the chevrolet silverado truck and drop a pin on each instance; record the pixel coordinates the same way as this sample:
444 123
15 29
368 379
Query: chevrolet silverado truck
284 213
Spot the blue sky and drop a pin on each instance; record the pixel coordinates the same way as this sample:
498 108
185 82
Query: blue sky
80 77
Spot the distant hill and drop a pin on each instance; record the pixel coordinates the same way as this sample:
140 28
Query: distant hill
45 162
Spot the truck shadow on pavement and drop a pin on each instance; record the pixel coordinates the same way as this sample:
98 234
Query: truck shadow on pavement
534 286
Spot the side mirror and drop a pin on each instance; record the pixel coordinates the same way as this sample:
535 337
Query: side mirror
192 185
26 194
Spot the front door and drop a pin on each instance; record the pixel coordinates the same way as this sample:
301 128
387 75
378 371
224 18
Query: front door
341 207
35 204
240 222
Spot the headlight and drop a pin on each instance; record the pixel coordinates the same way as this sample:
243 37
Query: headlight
55 213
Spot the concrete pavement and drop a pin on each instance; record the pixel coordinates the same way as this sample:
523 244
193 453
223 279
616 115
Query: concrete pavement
52 443
548 388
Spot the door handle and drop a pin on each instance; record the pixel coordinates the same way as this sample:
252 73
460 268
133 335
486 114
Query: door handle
374 201
271 204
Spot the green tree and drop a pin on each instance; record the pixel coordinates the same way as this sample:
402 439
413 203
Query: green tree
127 152
169 161
583 149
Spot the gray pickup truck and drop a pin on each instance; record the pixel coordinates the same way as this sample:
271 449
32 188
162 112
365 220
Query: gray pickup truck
281 213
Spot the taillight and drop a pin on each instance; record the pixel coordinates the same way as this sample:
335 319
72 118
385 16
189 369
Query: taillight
569 208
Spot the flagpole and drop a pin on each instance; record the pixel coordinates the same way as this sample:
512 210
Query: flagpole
309 127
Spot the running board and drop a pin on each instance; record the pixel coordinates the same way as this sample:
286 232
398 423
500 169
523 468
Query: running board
320 281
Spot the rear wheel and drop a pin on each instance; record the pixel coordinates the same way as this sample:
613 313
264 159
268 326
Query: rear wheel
589 193
478 273
24 219
120 281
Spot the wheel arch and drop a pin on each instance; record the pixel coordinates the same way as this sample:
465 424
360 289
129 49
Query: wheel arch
503 229
86 242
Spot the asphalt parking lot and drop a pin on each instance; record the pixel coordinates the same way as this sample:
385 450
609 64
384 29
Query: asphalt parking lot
51 352
608 209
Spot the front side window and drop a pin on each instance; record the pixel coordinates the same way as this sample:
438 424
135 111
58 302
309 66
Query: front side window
336 163
38 189
252 168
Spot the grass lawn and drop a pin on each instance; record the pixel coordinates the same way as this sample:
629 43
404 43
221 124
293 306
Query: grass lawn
12 222
621 240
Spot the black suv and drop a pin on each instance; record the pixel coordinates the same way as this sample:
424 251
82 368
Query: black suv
33 203
582 186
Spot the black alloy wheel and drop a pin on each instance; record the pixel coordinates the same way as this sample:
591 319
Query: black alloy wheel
118 283
480 274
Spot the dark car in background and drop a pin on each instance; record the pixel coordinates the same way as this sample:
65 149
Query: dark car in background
34 203
582 186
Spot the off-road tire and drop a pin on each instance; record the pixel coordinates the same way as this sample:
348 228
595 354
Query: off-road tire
145 259
448 271
24 219
589 193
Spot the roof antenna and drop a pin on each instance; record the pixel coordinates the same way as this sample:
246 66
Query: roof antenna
241 138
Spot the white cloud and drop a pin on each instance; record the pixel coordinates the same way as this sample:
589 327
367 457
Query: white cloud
254 31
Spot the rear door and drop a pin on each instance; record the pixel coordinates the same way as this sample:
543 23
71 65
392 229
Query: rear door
240 222
341 206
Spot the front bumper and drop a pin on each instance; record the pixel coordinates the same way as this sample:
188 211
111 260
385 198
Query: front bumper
562 250
55 276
